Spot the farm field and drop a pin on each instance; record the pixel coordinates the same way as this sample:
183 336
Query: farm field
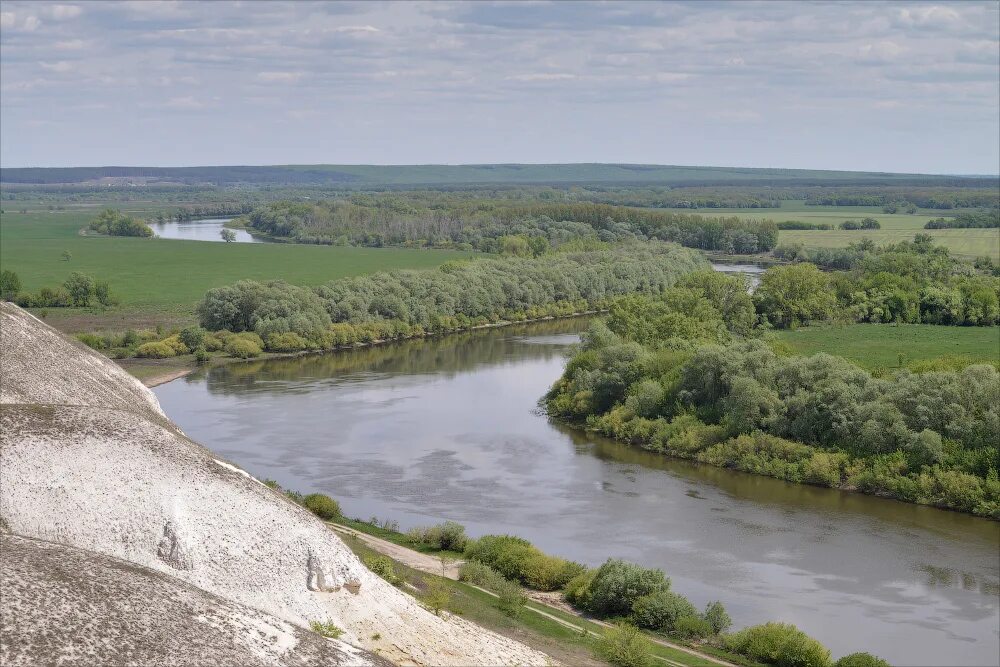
896 227
160 280
878 345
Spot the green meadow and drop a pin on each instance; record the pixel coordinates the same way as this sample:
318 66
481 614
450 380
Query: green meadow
879 345
160 280
896 227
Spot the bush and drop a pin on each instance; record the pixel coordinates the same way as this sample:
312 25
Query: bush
618 584
202 356
717 617
438 595
504 553
548 573
93 341
861 660
692 627
286 342
660 610
10 285
102 292
322 505
449 536
211 342
478 574
192 337
383 567
155 350
624 646
328 630
577 590
241 348
780 644
510 596
175 344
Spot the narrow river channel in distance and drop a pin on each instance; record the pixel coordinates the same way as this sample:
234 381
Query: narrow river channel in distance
449 428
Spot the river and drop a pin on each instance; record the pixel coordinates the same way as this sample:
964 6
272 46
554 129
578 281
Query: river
207 229
449 428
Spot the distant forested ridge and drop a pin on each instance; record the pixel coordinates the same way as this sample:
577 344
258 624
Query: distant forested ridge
491 225
355 175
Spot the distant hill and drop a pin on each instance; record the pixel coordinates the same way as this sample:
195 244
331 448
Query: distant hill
472 174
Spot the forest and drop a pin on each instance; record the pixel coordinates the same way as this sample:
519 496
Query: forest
692 373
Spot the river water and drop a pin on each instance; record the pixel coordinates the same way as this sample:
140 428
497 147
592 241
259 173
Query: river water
208 229
449 428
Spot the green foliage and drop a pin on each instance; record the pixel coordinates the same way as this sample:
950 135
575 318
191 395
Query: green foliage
717 618
779 644
510 596
447 536
577 589
625 646
479 574
693 626
383 567
227 235
264 308
201 356
113 223
518 560
437 596
618 584
192 337
789 296
287 342
80 288
10 285
241 348
327 629
102 292
155 350
861 660
322 506
661 609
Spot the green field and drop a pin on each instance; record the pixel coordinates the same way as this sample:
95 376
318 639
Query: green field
160 280
879 345
896 227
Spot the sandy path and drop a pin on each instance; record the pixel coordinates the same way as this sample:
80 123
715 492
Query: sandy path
432 565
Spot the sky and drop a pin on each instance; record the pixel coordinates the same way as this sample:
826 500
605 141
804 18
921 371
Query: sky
900 86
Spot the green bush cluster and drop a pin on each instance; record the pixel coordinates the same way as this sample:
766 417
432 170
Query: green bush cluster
780 644
322 506
79 290
519 560
112 222
447 536
383 567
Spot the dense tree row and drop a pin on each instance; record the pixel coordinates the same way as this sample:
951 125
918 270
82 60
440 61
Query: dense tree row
676 374
985 219
114 223
909 282
486 224
455 296
985 195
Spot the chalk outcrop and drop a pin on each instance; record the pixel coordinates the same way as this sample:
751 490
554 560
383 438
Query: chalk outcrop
88 460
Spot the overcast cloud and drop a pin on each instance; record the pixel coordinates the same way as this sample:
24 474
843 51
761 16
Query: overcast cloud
898 87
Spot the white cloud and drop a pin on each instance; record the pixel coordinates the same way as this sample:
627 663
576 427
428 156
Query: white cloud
71 45
355 28
928 16
735 61
7 19
880 52
63 12
187 102
60 66
542 76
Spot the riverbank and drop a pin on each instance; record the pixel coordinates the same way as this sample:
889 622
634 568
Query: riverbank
154 372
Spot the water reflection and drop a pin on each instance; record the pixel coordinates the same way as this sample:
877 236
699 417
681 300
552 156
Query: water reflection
449 428
208 229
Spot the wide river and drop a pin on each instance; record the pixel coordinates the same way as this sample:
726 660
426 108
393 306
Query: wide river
449 428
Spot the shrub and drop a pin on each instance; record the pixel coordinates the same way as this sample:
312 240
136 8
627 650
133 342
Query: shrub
624 646
250 337
10 285
192 337
861 660
779 644
80 287
577 590
660 610
175 344
328 630
510 596
92 341
102 292
618 584
241 348
202 356
155 351
478 574
211 342
438 596
322 505
548 573
692 627
449 536
504 553
717 617
286 342
383 567
130 338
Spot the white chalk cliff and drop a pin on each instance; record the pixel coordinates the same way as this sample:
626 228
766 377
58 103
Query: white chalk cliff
93 473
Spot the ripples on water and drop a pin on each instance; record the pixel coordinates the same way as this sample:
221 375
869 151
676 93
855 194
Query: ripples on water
449 428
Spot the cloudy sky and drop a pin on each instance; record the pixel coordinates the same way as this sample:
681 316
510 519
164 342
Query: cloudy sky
901 86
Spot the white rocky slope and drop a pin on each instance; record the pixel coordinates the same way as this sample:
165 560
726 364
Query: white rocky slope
88 459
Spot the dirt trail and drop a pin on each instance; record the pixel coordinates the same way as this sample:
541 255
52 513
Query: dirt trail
432 565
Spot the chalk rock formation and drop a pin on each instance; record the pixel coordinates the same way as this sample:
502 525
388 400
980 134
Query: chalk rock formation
88 460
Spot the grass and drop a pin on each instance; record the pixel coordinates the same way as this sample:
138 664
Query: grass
565 644
395 537
896 227
878 345
162 279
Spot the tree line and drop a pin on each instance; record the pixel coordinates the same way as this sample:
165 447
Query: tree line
685 373
984 219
